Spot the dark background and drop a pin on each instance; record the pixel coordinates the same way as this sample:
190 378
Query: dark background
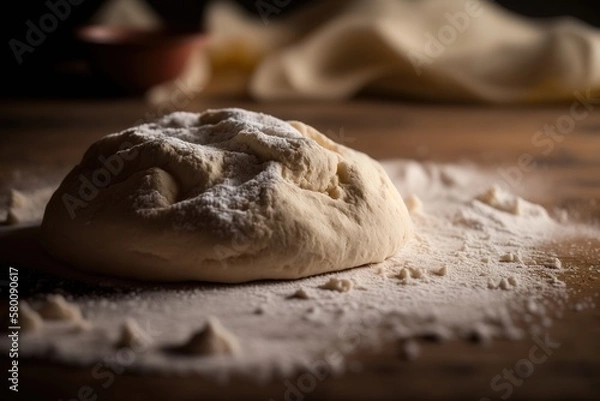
47 71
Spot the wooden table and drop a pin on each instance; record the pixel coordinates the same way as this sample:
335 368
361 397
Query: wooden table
51 136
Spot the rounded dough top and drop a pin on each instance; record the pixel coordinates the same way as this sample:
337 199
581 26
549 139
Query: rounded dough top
225 195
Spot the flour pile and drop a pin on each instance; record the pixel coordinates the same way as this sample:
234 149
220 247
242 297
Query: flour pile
479 268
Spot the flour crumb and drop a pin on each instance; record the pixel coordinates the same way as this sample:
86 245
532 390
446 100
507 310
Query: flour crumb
509 257
27 207
556 282
442 271
212 339
404 274
553 263
499 199
314 311
299 294
380 270
504 201
414 204
57 307
81 326
132 336
339 285
533 307
415 272
409 350
481 333
504 285
29 319
512 280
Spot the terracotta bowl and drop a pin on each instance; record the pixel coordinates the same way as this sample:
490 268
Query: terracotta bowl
136 60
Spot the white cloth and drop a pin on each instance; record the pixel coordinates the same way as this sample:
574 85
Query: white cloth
465 50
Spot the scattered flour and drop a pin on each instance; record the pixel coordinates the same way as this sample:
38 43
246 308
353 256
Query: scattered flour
456 285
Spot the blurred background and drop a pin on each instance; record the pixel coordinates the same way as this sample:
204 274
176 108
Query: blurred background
47 57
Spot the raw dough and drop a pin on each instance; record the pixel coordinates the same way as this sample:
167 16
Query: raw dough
225 195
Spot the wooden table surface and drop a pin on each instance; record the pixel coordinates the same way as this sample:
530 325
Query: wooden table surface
50 136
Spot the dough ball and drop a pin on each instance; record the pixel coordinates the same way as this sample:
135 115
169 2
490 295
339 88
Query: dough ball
227 196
